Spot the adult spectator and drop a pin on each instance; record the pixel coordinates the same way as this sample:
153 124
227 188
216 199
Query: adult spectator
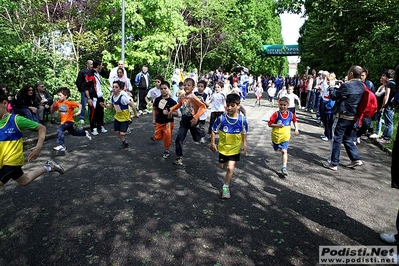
126 81
387 108
94 95
25 103
366 121
80 81
142 81
310 101
114 72
394 238
380 94
347 98
45 100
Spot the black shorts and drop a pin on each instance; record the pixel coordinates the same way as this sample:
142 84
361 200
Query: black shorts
7 172
226 158
121 126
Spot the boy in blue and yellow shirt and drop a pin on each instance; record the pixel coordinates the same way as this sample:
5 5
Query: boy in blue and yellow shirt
11 147
280 122
232 128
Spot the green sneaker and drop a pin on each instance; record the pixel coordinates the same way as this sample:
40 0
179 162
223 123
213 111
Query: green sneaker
225 193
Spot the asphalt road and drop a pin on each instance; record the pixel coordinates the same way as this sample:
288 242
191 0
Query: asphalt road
132 207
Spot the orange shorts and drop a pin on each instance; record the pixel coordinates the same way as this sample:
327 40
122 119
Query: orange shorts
164 131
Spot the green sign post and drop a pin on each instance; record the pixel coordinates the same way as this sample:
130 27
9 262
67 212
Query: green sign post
279 50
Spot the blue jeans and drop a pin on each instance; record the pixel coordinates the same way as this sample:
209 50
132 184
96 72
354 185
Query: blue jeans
343 130
388 119
83 102
244 91
69 126
26 113
310 101
378 123
196 132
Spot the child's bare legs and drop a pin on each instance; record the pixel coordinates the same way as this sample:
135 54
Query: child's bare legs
26 178
284 158
230 166
121 136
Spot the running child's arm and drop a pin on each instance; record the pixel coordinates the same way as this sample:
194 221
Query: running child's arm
35 151
213 145
244 144
201 108
110 106
131 103
79 110
296 128
175 107
272 121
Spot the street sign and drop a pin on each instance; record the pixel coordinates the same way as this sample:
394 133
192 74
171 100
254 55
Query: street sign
279 50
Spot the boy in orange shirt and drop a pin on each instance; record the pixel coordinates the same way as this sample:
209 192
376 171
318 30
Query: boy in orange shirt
192 109
66 110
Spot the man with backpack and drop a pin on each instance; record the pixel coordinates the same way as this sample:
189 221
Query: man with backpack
387 108
347 98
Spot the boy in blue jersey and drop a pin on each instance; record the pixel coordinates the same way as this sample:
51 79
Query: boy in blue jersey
11 147
232 128
280 122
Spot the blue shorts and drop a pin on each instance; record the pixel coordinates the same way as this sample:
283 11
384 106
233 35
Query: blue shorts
282 146
121 126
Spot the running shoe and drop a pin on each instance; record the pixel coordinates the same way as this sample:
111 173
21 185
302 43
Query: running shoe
330 166
88 135
124 145
165 154
60 148
178 161
284 171
103 130
225 193
355 163
54 167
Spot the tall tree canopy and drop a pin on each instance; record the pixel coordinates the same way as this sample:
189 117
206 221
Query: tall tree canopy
341 33
50 40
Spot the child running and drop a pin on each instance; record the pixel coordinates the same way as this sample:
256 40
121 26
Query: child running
163 124
204 98
120 102
193 108
292 97
11 147
280 122
258 93
218 101
232 128
66 110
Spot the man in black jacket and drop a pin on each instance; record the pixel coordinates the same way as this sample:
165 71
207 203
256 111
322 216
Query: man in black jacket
347 98
142 82
80 80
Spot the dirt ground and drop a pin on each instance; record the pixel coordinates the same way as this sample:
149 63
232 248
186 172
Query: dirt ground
132 207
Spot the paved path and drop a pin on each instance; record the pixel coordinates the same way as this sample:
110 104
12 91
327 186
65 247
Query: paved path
131 207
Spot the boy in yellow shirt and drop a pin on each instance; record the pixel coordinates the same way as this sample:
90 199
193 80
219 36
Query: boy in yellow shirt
11 147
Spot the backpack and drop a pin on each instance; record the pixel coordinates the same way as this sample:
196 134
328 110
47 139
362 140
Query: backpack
368 105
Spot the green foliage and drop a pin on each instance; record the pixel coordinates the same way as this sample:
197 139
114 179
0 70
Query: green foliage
338 34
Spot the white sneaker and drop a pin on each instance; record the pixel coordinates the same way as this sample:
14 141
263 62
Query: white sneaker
81 121
95 132
103 130
387 238
324 138
374 136
60 148
140 112
202 140
88 135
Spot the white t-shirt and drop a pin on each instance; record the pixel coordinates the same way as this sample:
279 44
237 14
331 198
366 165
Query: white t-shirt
154 93
218 102
292 97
